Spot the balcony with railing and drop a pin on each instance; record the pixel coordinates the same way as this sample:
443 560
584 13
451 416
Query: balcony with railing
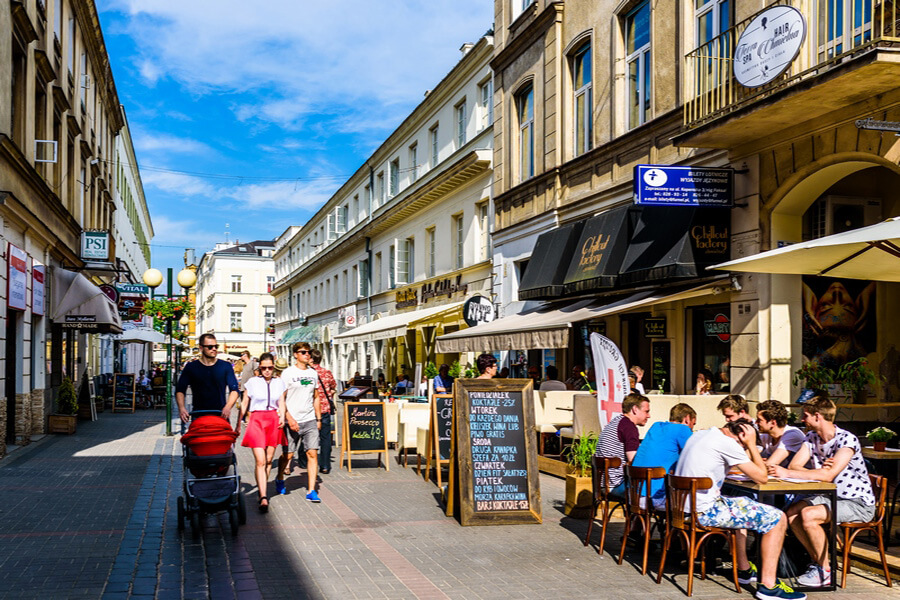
850 53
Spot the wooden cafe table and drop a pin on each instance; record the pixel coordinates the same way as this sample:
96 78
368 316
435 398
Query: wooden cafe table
766 493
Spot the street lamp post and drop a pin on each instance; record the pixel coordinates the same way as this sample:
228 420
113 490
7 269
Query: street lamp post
186 279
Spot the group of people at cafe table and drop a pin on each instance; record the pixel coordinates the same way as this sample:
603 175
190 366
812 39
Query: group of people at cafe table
768 447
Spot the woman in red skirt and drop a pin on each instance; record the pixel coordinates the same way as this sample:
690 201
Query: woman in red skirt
264 400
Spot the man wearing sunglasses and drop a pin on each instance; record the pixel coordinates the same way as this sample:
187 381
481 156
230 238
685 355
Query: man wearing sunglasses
303 417
212 381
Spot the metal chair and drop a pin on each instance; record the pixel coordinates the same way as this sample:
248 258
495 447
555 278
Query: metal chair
637 487
600 466
850 530
680 492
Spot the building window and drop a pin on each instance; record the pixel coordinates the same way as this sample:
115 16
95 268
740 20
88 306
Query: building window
395 177
270 283
236 324
461 123
430 240
844 25
368 189
637 59
379 188
433 136
392 267
57 20
484 231
236 284
378 273
486 102
356 216
583 108
525 112
460 240
71 44
413 163
405 267
341 219
363 279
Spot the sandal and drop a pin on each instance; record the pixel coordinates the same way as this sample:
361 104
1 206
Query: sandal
264 508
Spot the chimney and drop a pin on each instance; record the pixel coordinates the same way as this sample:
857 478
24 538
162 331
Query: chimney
466 47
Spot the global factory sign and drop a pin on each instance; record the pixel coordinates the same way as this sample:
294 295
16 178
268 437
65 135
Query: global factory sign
768 45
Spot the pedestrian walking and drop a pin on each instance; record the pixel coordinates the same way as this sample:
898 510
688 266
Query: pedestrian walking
264 400
212 382
327 387
303 416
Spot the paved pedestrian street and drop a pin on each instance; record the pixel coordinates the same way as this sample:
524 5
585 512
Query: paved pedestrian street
93 515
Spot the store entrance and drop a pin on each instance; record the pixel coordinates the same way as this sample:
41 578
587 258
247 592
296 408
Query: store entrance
711 346
636 343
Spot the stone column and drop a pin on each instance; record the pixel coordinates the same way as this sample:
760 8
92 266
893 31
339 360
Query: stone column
23 419
2 427
38 418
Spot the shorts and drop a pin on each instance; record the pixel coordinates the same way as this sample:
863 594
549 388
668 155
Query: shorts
308 436
263 430
740 512
849 510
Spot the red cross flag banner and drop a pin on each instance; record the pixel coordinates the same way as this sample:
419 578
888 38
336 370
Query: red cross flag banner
612 377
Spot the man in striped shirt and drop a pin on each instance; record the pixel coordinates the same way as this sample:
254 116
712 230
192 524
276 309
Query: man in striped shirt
621 439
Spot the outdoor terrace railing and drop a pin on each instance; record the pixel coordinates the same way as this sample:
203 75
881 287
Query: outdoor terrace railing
836 31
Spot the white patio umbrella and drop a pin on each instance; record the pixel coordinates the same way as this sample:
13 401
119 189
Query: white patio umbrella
141 334
871 253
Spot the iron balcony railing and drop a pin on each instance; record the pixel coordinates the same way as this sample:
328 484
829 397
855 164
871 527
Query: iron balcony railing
836 31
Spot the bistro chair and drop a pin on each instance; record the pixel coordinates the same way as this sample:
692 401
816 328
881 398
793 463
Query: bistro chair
681 518
850 530
600 466
638 493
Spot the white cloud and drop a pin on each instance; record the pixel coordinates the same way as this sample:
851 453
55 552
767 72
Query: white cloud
177 183
186 233
170 144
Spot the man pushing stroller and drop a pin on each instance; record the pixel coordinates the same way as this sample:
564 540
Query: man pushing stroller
209 379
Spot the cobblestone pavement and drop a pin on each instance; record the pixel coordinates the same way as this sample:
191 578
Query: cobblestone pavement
94 516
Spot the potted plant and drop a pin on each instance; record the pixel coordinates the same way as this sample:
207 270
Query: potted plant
814 376
579 488
164 308
66 416
854 376
879 437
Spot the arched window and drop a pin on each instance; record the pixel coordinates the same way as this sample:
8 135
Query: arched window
583 99
525 113
637 59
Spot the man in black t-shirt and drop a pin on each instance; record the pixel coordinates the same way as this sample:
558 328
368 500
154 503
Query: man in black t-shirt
210 379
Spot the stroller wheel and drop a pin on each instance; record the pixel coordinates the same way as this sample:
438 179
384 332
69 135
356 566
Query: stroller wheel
195 524
233 520
180 513
242 509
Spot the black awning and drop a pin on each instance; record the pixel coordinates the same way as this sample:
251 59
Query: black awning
597 257
675 242
546 271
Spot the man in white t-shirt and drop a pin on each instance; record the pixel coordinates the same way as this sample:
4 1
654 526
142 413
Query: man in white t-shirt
711 453
836 456
779 441
303 418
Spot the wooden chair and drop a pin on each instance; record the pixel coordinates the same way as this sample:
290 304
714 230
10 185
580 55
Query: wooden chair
681 491
637 488
600 466
849 531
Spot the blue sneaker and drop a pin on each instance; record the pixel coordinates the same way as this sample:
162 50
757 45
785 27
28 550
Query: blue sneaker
279 486
313 496
780 591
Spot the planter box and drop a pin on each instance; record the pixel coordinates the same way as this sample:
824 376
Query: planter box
62 423
98 404
579 491
84 412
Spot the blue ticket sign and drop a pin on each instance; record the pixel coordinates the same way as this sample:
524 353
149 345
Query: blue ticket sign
662 185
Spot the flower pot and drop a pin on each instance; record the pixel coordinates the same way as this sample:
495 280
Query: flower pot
62 423
879 446
578 496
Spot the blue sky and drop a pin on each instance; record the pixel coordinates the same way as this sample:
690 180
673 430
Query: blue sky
284 99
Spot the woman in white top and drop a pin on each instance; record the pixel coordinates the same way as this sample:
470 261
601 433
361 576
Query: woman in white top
263 399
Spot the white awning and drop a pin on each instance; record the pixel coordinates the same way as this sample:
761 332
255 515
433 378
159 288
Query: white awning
548 326
141 334
79 304
393 325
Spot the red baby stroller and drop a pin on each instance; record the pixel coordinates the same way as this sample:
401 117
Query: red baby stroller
211 482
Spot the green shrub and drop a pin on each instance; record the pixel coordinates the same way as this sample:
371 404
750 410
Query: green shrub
66 401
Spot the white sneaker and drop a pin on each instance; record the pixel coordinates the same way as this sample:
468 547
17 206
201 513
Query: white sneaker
815 576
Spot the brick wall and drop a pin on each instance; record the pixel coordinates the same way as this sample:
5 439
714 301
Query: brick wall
38 416
23 419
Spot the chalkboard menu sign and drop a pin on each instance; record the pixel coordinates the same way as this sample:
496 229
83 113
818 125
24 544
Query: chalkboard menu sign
123 392
438 447
498 473
660 376
363 431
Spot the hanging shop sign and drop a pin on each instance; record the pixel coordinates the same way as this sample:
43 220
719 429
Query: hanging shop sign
95 245
768 45
655 327
719 327
406 298
478 310
38 275
134 289
110 292
662 185
18 278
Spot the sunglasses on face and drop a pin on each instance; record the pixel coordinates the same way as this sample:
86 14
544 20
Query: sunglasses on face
267 368
211 346
302 351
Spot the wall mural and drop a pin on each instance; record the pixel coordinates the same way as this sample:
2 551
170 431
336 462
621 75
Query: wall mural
838 320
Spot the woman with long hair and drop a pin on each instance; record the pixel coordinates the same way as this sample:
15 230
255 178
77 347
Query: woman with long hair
264 400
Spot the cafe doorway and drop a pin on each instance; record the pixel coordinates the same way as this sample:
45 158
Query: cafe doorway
711 345
637 342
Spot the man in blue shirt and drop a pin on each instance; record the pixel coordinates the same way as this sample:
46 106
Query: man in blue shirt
662 446
443 383
210 379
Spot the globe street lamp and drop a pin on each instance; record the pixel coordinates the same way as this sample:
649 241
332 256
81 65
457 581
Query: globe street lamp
153 279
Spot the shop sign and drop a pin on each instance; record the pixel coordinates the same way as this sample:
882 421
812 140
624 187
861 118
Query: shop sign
662 185
406 298
81 318
95 245
655 327
719 327
478 310
18 278
38 274
138 289
110 292
347 315
444 287
130 308
768 45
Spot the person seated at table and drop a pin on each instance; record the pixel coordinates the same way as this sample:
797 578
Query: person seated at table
552 383
403 385
638 374
712 453
621 439
575 380
443 383
662 445
734 407
704 382
836 457
779 441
